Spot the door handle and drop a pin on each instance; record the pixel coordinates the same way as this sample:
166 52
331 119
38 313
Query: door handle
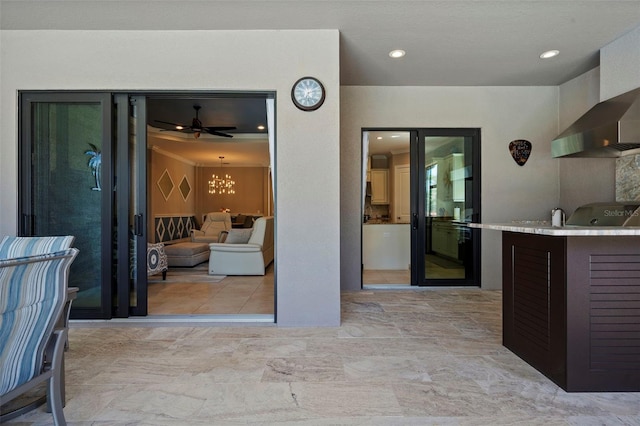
415 221
137 225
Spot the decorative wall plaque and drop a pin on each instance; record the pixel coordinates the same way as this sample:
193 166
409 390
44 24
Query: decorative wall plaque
185 188
165 183
520 150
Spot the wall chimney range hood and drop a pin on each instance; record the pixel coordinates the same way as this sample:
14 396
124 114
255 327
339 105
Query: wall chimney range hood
609 129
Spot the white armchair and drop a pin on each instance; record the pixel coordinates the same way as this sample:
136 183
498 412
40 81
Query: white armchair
244 257
213 224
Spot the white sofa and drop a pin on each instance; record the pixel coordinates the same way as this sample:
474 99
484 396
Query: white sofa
250 258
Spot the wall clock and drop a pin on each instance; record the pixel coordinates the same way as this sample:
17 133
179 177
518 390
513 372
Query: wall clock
308 94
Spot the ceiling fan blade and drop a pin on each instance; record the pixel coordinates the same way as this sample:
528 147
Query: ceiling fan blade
186 126
216 133
216 128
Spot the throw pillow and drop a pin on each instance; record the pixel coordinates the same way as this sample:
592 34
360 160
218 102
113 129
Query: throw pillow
238 236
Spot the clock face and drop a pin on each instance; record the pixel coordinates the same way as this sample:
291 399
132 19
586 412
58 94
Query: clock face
307 94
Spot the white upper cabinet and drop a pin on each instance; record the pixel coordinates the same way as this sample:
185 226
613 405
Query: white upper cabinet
379 186
457 177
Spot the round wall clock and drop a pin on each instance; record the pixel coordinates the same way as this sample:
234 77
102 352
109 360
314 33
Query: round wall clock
307 94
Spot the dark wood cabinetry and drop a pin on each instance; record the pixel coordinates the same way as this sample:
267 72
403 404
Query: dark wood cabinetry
571 308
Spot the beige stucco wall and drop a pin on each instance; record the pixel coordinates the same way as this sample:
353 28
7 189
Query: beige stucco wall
307 190
503 114
620 65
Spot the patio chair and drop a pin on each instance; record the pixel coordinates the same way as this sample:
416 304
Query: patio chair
33 293
11 247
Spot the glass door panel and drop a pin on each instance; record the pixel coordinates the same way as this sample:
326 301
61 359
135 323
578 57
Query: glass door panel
65 186
448 197
137 211
131 257
386 227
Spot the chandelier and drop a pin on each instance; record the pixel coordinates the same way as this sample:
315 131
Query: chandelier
220 185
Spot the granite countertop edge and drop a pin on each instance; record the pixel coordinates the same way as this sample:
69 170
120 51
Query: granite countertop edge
560 231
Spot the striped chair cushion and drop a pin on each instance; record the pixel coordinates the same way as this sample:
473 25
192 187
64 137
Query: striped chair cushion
32 296
11 247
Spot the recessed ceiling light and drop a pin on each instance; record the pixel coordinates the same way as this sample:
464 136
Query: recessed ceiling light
179 127
379 138
398 53
395 136
261 127
549 54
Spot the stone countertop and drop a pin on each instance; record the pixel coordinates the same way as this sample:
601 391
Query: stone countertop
564 231
380 222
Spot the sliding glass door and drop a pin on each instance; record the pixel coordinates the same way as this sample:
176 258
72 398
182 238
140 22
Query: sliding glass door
131 205
87 167
65 187
83 173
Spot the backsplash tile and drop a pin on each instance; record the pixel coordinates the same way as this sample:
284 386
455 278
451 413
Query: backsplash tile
628 178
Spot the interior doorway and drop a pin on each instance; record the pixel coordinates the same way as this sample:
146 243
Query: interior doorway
222 168
386 238
420 191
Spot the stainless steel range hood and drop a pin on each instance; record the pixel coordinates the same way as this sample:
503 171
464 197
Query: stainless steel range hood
609 129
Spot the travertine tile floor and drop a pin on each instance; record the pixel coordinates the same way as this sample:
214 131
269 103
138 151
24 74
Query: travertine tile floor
414 357
232 295
434 268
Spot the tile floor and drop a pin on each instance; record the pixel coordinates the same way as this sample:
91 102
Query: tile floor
435 268
246 294
386 276
231 295
412 357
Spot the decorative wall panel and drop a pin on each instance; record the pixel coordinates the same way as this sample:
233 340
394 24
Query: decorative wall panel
628 178
170 228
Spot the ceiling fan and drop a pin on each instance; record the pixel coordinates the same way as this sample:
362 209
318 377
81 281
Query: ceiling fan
197 128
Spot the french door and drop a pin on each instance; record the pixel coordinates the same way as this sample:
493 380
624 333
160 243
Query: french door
421 190
446 198
70 185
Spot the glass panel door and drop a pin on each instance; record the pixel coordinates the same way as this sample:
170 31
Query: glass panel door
448 201
131 206
137 195
65 186
386 221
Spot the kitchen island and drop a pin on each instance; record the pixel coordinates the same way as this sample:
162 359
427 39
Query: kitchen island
571 302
